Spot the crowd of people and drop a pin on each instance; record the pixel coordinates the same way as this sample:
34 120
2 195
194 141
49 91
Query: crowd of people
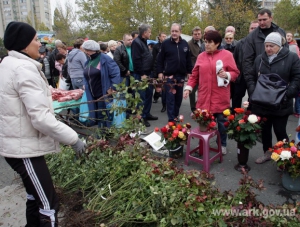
218 70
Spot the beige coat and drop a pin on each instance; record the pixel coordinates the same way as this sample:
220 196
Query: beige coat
28 127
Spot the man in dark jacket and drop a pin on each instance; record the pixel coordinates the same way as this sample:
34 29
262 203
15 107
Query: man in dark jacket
254 43
122 57
142 66
240 85
53 71
195 47
174 63
161 37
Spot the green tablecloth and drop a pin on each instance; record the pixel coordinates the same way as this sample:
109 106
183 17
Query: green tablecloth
59 106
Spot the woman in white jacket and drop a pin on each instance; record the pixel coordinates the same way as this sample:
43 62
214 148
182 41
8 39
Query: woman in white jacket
29 129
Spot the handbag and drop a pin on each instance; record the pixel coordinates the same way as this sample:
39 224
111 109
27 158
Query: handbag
269 91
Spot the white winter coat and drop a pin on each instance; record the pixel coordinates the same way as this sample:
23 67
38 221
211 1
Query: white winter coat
28 127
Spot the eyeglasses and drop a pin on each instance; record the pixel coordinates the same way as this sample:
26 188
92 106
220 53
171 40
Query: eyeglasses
228 38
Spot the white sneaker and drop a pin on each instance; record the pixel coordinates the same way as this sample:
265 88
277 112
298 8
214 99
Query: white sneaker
224 151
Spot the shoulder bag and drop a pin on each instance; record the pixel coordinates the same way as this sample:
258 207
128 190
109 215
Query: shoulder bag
269 91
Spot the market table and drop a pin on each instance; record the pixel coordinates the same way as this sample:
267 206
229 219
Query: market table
59 106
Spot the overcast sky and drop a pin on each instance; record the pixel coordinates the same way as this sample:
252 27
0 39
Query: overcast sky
62 2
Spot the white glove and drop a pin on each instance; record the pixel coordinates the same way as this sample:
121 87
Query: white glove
221 81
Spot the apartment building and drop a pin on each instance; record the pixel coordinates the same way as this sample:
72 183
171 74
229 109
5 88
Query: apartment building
36 11
268 4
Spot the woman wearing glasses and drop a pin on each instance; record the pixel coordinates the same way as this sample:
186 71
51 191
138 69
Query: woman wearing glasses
229 44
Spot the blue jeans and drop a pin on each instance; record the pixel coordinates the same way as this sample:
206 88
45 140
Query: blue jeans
297 104
77 83
221 128
146 96
173 101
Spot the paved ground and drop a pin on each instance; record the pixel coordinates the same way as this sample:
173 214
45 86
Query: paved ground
226 177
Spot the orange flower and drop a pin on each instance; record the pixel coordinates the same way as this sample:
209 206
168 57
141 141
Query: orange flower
298 154
239 110
279 144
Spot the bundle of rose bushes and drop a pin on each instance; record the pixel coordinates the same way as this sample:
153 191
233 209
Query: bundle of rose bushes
126 185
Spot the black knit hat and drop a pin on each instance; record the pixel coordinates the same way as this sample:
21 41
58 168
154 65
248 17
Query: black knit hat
18 35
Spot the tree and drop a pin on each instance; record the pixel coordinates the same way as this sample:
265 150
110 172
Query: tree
64 26
287 14
113 18
237 13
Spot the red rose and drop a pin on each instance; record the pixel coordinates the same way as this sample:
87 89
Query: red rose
230 117
226 124
238 128
293 161
188 125
179 127
245 118
164 130
248 112
156 129
239 110
212 124
171 124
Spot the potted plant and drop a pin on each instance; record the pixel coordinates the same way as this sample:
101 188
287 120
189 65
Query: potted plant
174 135
205 119
244 127
287 157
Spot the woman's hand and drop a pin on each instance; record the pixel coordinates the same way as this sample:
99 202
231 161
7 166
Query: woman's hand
222 74
186 93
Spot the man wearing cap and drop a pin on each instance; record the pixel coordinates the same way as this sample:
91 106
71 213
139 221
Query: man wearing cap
254 43
29 129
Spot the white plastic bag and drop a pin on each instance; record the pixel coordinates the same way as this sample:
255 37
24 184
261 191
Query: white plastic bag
63 85
222 82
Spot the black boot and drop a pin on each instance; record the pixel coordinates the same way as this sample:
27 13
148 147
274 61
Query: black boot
163 108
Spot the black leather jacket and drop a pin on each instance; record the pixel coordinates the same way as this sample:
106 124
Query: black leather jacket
122 59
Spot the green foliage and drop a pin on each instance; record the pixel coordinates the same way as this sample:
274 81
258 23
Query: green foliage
124 186
237 13
287 15
112 18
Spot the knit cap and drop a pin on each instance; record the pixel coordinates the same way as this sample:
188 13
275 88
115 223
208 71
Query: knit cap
18 35
274 37
91 45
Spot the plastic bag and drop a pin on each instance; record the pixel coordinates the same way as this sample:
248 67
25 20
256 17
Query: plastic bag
63 84
84 109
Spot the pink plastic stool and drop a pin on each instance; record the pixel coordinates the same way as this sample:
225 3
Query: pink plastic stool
203 148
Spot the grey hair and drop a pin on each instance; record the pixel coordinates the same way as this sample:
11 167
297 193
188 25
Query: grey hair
143 28
176 24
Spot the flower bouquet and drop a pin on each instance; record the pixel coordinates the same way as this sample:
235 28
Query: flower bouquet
245 129
205 119
243 126
287 157
175 135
